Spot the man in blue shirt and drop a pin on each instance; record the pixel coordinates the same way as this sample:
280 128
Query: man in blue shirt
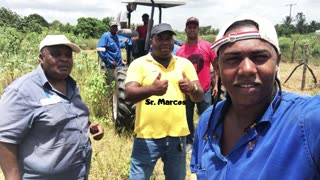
259 131
44 126
109 50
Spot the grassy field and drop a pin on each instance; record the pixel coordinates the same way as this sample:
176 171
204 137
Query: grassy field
111 157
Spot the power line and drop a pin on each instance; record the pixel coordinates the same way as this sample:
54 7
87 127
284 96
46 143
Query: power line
290 8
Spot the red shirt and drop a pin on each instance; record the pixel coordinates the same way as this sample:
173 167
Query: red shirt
201 57
142 30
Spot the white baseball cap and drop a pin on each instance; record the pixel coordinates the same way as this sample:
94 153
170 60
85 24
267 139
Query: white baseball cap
52 40
266 32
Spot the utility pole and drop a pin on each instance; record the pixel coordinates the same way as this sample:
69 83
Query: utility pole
290 8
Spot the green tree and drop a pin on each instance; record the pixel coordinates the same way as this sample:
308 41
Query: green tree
36 18
89 27
313 26
68 28
56 25
301 25
9 18
34 23
207 30
286 28
106 20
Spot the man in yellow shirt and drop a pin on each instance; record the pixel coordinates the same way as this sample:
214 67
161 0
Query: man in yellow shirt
158 82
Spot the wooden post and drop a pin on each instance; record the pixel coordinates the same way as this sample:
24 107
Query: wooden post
305 65
293 51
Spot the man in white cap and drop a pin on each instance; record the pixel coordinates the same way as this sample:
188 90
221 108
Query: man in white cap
259 131
109 50
158 82
44 127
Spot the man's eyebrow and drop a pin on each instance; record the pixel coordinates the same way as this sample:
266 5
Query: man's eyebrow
259 51
232 53
235 52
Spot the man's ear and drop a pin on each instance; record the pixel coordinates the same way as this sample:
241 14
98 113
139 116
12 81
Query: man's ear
40 58
150 41
278 65
278 61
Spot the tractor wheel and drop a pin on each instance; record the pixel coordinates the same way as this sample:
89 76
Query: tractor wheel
123 111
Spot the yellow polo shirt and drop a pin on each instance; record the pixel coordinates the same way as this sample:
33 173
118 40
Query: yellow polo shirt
161 116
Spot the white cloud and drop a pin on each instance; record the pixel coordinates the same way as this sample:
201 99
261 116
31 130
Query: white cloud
209 12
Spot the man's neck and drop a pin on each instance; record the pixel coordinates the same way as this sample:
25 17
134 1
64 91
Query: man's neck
164 61
192 41
113 34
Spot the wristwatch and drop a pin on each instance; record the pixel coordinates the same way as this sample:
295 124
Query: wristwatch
195 87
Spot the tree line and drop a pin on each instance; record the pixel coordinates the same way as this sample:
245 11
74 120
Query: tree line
88 27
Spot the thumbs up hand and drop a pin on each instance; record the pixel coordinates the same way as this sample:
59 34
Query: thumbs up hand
186 86
159 87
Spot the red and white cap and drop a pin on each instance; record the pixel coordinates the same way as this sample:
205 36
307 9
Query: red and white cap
266 32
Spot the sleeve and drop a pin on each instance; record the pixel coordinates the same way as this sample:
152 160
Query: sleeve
195 151
199 143
212 53
134 73
103 54
311 128
139 30
16 116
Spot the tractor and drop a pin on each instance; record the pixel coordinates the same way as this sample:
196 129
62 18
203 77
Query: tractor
124 111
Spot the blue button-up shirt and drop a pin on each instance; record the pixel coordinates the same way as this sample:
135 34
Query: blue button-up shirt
50 129
113 51
285 144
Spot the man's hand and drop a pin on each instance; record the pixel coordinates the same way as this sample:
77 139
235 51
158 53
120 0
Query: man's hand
159 87
214 91
186 86
96 130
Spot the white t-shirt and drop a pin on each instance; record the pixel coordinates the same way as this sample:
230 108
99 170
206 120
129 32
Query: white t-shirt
122 16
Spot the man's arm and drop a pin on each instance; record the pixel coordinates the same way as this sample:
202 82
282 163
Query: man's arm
192 88
196 94
134 92
8 161
216 77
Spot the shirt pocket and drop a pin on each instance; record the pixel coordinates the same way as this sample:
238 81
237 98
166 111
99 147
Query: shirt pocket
54 114
112 46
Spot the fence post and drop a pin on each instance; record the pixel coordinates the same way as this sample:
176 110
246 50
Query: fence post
293 51
305 65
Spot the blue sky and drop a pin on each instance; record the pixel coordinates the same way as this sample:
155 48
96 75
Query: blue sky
209 12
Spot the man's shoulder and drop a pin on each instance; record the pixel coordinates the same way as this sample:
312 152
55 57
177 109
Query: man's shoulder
180 50
181 59
25 82
141 60
305 104
205 43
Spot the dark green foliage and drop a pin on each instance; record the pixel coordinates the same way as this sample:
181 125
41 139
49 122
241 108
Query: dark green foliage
287 28
208 30
9 18
90 27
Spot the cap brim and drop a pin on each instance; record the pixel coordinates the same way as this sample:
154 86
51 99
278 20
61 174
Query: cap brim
74 47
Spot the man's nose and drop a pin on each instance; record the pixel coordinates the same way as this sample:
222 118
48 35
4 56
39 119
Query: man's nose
247 67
